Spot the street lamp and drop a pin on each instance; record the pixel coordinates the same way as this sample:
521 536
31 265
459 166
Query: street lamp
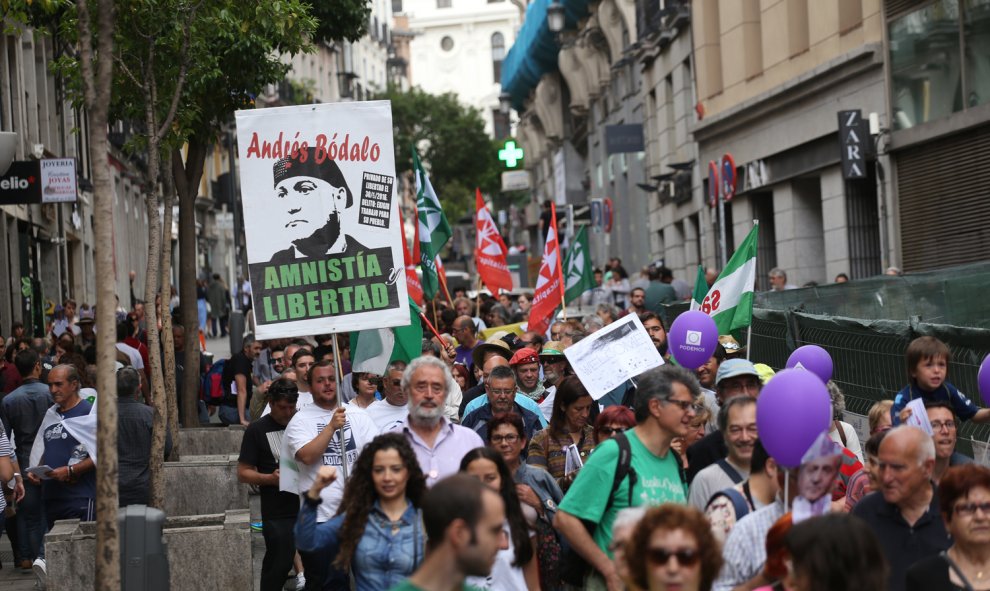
555 17
505 103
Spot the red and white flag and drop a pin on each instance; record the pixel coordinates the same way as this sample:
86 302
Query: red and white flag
413 285
490 250
549 291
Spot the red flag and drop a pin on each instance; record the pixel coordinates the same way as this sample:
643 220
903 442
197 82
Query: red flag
549 292
413 285
490 250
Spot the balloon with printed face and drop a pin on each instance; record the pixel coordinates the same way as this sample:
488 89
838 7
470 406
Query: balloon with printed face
692 339
814 359
983 379
793 408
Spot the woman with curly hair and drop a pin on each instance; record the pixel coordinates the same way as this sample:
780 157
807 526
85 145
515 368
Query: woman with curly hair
516 567
377 533
673 547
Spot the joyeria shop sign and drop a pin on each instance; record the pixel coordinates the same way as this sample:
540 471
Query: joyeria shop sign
51 180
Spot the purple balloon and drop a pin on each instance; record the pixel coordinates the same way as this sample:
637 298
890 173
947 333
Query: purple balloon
792 411
983 379
692 339
814 359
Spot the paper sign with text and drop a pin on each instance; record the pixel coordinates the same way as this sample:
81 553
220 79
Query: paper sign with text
612 355
321 218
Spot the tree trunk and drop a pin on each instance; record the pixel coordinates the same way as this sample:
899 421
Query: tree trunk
168 344
187 176
156 484
96 86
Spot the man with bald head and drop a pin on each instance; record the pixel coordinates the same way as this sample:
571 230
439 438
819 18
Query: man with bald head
904 513
463 330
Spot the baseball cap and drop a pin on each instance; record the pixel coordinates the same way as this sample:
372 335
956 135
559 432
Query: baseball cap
731 368
523 356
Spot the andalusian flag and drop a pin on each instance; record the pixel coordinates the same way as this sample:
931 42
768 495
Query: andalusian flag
372 350
434 231
578 276
700 289
730 300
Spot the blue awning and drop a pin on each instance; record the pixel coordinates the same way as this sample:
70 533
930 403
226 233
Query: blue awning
534 52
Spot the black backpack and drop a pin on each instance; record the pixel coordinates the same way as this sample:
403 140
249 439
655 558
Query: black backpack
574 568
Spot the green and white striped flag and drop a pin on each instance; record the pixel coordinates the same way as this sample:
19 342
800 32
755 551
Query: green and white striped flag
372 350
434 231
578 276
730 300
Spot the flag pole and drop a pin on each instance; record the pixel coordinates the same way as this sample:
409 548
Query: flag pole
337 379
560 273
749 329
446 292
477 298
434 302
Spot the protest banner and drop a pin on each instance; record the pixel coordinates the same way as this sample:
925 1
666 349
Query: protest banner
612 355
321 218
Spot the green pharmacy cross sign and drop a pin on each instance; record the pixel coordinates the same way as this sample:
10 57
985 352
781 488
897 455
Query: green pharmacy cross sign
510 154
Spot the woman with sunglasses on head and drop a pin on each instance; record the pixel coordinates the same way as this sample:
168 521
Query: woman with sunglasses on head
537 490
568 428
377 533
612 420
365 388
673 547
515 567
964 501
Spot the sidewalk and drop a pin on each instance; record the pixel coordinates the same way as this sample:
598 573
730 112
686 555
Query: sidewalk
11 578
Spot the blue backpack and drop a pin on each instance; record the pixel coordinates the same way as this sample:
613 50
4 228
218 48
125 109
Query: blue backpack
211 389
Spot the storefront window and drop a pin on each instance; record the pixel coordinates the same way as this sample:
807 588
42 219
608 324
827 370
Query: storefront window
926 64
977 40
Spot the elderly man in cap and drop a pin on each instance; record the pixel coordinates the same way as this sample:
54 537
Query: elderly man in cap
735 377
554 364
526 364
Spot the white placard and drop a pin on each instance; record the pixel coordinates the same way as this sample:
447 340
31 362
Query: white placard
919 416
321 218
58 180
612 355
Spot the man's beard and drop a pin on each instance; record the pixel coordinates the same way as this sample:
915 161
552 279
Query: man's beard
661 347
425 417
317 243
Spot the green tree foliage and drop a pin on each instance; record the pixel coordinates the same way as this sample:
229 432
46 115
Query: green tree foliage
339 20
452 143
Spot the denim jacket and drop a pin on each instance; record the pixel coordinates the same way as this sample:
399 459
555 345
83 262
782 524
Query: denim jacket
381 560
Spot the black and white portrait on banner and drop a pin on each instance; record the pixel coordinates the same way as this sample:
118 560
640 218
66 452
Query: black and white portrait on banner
321 218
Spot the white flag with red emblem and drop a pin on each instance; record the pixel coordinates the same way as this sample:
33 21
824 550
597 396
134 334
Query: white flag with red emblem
549 291
490 250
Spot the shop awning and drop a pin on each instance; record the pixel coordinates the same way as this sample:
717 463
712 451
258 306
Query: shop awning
534 52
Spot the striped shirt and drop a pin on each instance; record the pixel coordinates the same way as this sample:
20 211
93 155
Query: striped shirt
745 549
5 450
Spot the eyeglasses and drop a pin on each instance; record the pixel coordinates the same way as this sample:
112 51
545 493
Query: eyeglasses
500 392
970 509
510 438
685 556
608 431
685 405
947 425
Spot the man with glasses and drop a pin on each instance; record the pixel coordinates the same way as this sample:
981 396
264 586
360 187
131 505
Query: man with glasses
735 377
664 406
500 387
737 422
464 331
438 443
905 514
945 434
391 410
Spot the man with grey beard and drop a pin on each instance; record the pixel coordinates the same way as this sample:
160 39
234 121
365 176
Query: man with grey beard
438 443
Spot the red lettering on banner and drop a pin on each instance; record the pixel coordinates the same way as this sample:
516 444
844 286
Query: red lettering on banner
710 304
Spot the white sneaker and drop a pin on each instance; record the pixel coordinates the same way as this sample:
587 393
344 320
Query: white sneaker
300 582
40 572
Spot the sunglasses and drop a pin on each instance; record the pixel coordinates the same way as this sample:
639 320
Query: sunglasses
661 556
608 431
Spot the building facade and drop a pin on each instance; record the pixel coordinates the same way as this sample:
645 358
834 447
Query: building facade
458 46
